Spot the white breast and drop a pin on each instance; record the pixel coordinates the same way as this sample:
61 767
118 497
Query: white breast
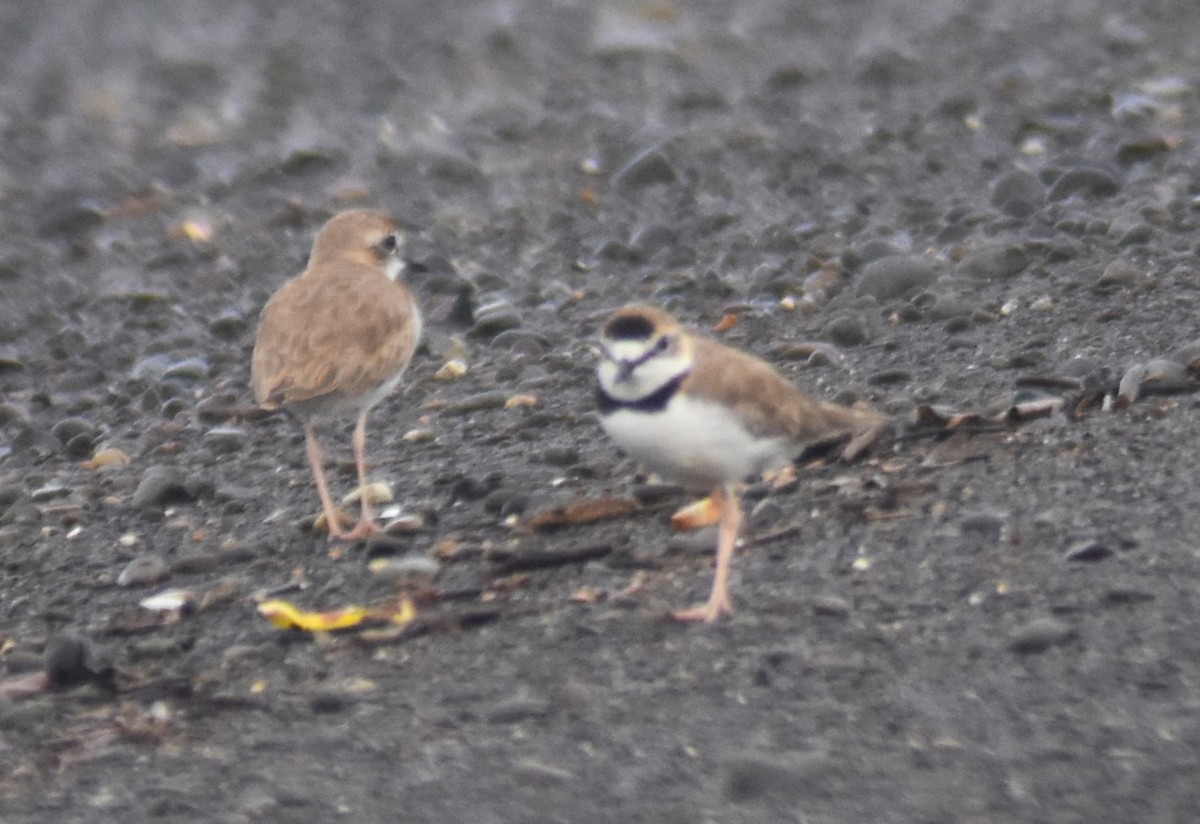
695 442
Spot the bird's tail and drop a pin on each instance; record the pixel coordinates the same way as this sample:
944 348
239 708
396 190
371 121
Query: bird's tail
855 428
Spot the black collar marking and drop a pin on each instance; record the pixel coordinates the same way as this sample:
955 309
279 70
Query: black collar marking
656 401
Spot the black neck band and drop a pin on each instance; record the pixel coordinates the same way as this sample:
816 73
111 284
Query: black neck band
656 401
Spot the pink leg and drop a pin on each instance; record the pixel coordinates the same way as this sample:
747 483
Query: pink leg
366 525
316 461
730 523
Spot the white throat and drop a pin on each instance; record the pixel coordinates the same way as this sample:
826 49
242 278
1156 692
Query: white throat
646 378
394 267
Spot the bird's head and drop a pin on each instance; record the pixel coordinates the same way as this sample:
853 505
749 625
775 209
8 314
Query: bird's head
641 350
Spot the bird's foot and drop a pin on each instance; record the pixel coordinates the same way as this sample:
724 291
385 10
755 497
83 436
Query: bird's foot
716 606
335 525
361 531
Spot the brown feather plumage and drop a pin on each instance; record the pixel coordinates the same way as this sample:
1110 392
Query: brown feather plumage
754 419
767 402
365 335
337 338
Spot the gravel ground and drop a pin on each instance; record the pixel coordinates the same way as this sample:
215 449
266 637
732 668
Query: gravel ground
981 217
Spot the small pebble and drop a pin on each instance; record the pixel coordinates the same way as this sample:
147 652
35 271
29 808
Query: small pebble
754 777
1087 182
494 399
494 318
696 542
195 562
521 342
858 256
947 307
560 455
1165 372
616 251
505 502
160 485
1130 230
68 661
473 489
1088 550
330 700
1118 273
108 457
833 606
450 370
984 524
890 377
225 440
1039 635
1122 595
845 331
68 216
229 324
50 491
143 571
408 566
12 413
895 276
994 261
68 429
1018 193
1188 355
1130 388
646 168
517 708
647 240
151 367
531 772
650 494
190 370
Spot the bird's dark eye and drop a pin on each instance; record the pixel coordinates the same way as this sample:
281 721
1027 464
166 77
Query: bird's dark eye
664 343
389 243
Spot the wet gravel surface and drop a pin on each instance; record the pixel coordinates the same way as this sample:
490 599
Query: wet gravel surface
934 207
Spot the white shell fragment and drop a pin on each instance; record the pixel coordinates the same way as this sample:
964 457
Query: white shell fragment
377 492
169 600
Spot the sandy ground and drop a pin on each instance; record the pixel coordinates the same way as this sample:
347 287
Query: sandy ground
935 207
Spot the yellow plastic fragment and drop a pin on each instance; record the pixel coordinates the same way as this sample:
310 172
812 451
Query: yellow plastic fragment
288 616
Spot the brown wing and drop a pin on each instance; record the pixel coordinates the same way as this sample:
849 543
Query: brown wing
768 402
340 328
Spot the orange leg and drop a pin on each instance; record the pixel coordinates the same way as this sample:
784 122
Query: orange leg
730 523
366 525
316 460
